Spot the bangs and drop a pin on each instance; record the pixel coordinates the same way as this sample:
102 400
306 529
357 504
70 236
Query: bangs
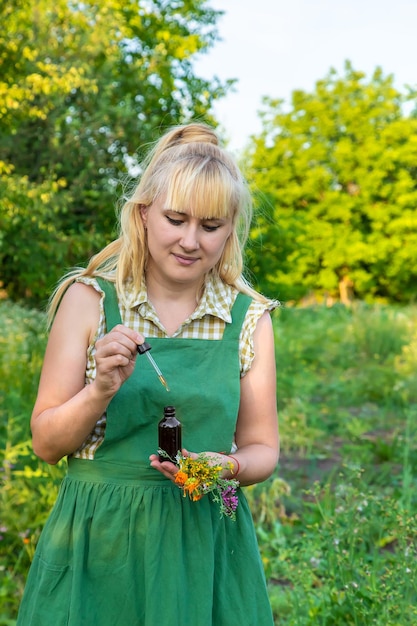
207 189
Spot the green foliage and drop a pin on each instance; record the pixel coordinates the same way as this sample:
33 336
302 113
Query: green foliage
336 176
25 494
34 250
82 86
365 352
336 525
349 559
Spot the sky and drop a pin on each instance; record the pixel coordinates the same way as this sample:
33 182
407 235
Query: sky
274 47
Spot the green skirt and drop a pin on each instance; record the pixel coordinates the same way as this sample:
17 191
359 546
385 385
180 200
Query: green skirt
128 552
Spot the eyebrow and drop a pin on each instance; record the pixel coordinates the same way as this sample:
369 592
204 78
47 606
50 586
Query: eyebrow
205 219
168 210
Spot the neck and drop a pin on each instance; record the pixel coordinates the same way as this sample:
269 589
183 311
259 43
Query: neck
158 289
173 303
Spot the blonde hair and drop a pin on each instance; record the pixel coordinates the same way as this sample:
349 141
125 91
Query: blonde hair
190 169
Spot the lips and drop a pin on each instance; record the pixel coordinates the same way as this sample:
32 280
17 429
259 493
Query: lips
185 260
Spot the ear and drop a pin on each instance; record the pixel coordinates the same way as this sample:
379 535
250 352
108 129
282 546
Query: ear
143 213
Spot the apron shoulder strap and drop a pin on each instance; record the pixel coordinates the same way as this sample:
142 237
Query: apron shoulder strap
239 310
111 304
112 313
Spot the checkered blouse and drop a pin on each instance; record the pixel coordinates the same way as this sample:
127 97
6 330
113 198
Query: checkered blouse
206 322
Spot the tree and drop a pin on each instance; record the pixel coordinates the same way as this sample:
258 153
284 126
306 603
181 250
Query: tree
83 85
337 178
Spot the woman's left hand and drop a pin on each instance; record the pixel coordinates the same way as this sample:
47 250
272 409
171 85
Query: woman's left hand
169 469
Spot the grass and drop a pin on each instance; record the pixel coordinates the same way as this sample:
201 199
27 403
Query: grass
337 522
337 525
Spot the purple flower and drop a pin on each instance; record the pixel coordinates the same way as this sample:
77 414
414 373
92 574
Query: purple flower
230 499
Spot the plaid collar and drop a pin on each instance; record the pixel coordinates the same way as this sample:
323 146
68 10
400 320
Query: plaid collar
217 300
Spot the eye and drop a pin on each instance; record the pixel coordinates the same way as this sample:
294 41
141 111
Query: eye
174 222
211 228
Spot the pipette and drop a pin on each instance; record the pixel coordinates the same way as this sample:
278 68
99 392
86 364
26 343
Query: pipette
144 349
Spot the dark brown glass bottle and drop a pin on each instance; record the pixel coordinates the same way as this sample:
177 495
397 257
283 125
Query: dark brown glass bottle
169 433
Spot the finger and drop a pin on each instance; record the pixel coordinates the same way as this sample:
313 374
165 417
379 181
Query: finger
166 468
123 336
115 346
134 336
107 362
186 453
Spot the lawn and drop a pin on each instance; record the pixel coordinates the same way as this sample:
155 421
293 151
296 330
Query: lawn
337 523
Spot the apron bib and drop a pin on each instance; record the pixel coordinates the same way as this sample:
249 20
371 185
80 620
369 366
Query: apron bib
204 381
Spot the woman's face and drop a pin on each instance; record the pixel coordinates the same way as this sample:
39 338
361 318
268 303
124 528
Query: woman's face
182 248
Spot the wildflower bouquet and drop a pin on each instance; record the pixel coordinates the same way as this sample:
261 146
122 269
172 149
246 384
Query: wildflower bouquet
198 477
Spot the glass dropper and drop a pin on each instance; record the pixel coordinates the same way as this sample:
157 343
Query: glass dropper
144 349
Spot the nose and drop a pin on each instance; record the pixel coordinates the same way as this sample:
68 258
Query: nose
189 240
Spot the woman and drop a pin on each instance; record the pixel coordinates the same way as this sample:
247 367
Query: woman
122 545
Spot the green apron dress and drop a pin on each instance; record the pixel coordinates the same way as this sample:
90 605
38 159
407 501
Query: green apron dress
122 546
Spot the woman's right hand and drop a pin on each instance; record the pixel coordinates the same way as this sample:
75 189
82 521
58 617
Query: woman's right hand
115 357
